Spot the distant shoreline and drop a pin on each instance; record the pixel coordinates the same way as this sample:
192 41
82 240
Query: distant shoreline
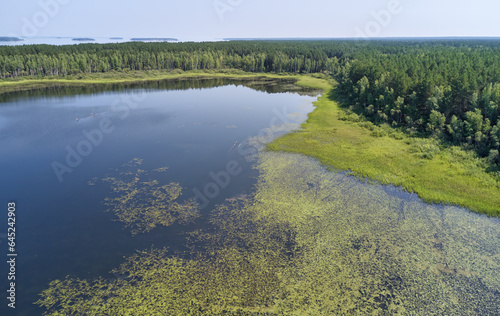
83 39
10 39
61 41
141 39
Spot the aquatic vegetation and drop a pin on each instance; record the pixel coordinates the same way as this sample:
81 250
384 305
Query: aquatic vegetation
368 251
309 242
220 280
142 203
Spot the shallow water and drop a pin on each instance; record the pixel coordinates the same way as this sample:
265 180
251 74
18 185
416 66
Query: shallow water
375 249
309 241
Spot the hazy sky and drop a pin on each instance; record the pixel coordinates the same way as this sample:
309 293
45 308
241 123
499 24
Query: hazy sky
210 19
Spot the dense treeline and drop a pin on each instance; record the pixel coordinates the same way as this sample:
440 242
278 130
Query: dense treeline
449 90
45 60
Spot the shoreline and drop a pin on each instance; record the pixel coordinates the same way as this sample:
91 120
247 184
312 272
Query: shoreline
26 84
452 177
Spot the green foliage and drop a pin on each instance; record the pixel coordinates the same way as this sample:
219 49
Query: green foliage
436 122
446 89
378 132
473 123
424 148
45 60
456 129
349 116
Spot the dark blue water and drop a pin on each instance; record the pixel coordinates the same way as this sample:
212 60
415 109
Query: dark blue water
53 145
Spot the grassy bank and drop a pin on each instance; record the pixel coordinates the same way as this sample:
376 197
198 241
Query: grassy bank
450 176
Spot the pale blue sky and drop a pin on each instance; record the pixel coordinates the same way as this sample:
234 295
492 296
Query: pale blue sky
200 20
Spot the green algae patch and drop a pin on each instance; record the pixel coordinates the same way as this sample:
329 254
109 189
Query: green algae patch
308 242
141 203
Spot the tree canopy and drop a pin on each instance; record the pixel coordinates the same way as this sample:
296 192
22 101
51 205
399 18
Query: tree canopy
447 89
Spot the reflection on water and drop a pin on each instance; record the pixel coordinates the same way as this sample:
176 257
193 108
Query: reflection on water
262 84
310 242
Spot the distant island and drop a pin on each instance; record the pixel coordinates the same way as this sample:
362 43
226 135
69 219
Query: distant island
270 39
83 39
116 38
140 39
10 39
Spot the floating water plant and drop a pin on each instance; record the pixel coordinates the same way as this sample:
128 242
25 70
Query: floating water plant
308 242
142 203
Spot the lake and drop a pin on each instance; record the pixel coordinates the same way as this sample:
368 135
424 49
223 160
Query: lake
52 40
186 147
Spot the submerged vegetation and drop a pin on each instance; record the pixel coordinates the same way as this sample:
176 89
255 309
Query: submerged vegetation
142 204
308 242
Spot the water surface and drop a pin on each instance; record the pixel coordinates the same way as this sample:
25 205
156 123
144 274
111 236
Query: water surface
193 127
